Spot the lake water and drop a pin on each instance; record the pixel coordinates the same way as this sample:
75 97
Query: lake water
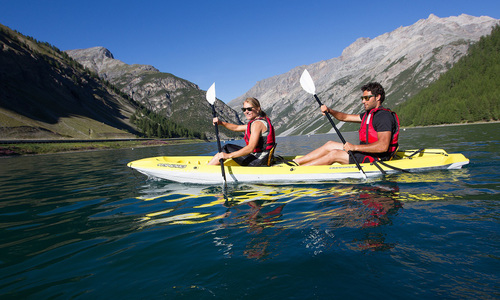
84 226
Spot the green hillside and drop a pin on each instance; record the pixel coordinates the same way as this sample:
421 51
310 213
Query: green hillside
468 92
45 94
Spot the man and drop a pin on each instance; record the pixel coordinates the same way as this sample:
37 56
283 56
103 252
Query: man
378 133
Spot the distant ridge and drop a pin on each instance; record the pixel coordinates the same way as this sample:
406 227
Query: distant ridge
178 99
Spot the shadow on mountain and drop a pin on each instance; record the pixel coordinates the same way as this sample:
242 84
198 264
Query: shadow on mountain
47 87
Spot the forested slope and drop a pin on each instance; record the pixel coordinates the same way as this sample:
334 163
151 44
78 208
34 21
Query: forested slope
468 92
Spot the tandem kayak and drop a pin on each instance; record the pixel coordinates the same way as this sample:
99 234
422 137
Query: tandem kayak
194 169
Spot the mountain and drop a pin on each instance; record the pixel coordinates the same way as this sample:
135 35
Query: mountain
46 94
404 61
178 99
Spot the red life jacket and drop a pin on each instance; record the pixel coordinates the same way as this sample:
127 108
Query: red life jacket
368 135
271 139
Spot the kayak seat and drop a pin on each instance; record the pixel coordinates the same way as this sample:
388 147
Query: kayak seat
394 154
270 158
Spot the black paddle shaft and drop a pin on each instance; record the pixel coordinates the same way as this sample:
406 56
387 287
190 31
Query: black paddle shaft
218 144
331 121
339 134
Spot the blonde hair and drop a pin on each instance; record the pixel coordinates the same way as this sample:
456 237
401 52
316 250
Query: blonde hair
256 104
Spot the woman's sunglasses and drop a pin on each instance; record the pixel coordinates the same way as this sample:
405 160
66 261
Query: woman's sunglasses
243 109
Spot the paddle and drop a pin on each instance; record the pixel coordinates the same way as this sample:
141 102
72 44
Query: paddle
211 100
308 85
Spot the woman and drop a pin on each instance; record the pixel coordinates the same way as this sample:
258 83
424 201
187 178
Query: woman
259 137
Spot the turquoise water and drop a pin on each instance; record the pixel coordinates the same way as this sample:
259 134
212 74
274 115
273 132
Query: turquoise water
84 226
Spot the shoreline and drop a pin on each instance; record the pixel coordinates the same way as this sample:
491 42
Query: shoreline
454 124
56 147
409 127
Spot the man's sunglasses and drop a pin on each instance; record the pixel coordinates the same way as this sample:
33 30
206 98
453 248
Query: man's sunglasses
243 109
366 98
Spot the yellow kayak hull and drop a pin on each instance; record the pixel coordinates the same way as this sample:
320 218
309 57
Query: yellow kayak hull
194 169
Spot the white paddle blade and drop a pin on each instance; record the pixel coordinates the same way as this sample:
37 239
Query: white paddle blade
211 94
307 83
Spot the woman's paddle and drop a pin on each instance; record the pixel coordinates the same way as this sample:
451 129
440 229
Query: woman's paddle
211 100
308 85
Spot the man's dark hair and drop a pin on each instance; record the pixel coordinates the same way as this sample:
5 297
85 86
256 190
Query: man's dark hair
376 89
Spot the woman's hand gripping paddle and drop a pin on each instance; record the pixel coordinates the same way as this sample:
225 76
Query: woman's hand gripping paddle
308 85
211 100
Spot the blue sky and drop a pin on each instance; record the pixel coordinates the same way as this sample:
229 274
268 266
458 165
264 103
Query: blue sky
233 43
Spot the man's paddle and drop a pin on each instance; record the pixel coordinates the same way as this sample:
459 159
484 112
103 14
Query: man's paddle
211 100
308 85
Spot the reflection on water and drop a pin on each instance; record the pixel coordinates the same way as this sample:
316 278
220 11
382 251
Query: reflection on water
435 176
260 196
261 211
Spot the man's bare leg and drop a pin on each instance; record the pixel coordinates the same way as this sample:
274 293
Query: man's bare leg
320 152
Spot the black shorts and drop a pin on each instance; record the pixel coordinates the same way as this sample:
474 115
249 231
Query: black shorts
252 159
362 157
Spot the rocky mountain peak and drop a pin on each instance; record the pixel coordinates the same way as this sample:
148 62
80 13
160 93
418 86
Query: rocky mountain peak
102 61
354 47
96 52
